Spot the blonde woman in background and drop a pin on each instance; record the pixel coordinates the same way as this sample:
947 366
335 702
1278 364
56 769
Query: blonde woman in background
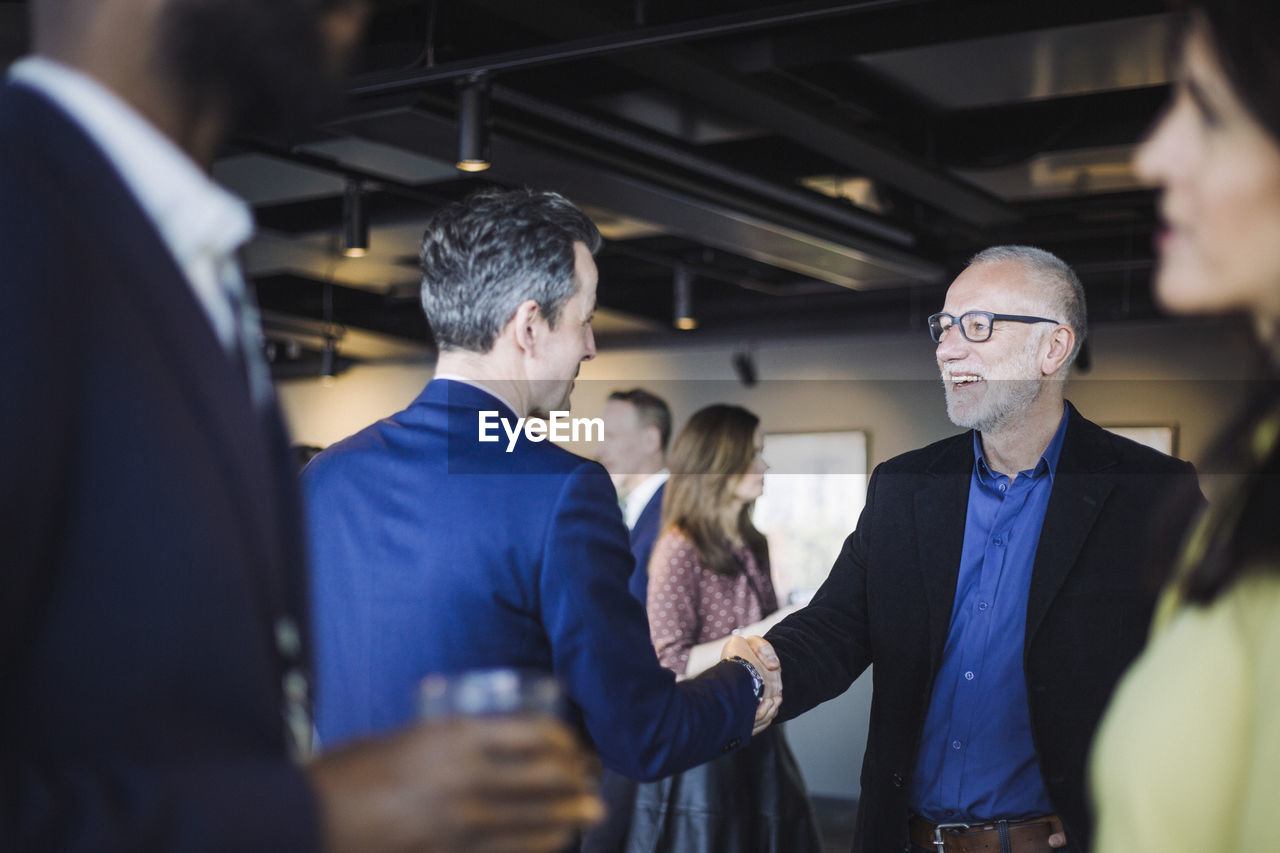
1187 758
709 577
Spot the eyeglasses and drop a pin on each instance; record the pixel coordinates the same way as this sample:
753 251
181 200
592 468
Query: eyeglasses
976 325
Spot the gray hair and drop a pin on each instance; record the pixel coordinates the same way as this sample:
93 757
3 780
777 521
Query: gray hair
1065 294
483 256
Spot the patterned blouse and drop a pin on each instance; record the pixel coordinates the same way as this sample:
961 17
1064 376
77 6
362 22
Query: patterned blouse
689 604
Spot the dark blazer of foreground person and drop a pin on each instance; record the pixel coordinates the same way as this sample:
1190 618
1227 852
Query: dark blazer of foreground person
889 597
151 534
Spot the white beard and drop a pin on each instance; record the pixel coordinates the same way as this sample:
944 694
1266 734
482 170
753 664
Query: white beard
1009 392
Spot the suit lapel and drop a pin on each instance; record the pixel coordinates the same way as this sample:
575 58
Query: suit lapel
142 272
941 504
1078 496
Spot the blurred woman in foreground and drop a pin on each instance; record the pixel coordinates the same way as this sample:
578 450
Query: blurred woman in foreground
1186 759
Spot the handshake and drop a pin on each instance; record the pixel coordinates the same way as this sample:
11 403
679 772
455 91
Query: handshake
758 652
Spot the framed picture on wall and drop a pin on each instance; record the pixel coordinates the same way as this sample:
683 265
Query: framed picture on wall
1162 437
813 493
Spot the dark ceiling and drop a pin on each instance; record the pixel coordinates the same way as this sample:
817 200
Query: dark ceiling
811 166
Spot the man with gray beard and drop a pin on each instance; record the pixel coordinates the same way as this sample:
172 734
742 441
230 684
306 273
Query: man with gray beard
995 579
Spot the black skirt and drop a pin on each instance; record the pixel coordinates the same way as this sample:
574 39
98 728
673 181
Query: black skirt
750 801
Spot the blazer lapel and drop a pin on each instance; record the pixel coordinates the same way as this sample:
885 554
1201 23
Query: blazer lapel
1078 496
143 272
941 504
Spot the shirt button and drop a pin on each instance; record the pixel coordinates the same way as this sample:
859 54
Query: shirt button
982 605
295 686
288 638
998 541
968 676
955 744
1004 487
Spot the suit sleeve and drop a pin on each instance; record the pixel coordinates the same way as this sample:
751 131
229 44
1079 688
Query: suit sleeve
827 645
643 723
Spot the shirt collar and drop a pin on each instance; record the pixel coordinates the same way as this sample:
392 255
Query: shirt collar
1047 464
453 377
196 218
638 498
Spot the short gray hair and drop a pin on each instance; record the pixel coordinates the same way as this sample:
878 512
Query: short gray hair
1059 281
483 256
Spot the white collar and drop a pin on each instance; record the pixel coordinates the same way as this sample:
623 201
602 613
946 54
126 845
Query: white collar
638 498
453 377
199 221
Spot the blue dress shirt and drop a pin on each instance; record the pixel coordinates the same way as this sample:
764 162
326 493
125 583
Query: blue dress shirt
977 760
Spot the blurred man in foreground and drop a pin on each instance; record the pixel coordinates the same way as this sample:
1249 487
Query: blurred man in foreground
154 645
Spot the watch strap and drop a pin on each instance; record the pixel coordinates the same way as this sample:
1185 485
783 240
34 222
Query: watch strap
757 682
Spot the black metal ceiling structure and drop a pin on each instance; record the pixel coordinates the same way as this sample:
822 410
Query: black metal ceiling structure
808 166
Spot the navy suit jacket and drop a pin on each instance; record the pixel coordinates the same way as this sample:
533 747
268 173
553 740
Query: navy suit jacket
151 533
435 552
643 535
889 597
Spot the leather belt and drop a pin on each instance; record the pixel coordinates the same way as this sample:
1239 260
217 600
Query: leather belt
1002 836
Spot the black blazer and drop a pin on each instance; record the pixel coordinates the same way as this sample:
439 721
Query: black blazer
152 541
888 602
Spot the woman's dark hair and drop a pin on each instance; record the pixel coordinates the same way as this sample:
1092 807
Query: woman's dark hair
1245 35
1239 531
709 456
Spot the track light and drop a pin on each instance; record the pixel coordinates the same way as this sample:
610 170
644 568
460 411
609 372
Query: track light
355 222
328 361
744 365
473 124
682 299
329 351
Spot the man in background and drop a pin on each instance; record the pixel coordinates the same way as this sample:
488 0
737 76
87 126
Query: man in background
154 641
637 430
996 580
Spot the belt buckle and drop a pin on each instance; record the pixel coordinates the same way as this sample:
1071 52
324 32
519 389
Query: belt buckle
938 840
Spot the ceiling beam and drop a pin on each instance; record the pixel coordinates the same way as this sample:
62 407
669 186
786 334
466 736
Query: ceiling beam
734 224
614 43
687 72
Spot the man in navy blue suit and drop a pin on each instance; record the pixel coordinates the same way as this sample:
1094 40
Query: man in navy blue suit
154 640
637 430
451 536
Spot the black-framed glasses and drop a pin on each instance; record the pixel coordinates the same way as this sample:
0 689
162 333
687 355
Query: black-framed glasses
976 325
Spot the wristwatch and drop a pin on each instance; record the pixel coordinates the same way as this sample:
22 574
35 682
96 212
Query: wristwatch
757 683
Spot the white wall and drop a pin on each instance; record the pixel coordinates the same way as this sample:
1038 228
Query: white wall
1189 374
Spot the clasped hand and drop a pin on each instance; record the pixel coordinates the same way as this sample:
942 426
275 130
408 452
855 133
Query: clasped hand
761 655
